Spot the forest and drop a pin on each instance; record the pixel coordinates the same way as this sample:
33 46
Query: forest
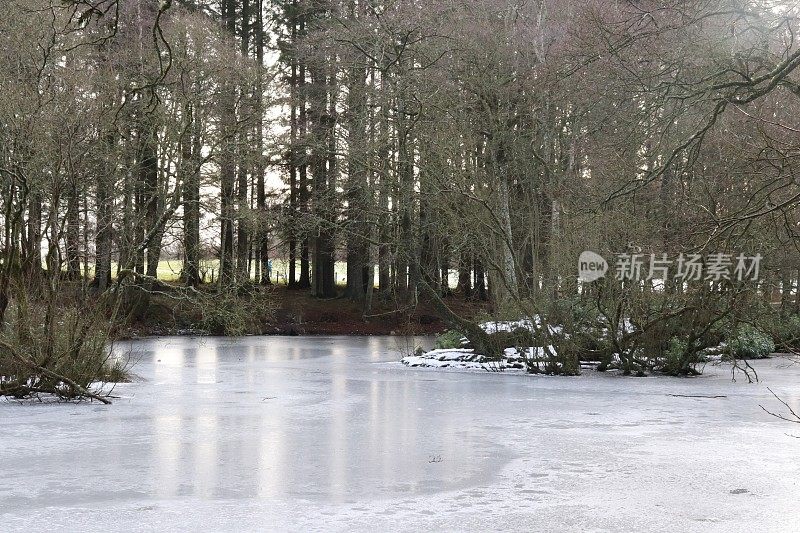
393 155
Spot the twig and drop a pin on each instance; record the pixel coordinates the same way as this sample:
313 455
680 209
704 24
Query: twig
795 420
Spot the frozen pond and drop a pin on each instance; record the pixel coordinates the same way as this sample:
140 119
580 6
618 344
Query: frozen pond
329 433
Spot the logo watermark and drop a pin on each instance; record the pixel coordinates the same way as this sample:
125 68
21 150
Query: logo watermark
687 267
591 266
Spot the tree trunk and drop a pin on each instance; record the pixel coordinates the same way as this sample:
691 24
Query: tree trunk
191 157
303 183
294 147
261 193
464 276
102 266
148 169
33 254
73 243
503 281
242 233
405 256
323 195
227 162
357 179
384 187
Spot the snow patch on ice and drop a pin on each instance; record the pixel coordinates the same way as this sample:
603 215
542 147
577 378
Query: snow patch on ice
513 359
464 358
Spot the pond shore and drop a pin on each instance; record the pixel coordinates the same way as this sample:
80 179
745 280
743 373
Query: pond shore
298 313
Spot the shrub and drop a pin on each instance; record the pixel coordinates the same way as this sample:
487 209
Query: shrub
750 343
519 337
675 356
233 312
579 312
785 331
64 353
449 339
552 360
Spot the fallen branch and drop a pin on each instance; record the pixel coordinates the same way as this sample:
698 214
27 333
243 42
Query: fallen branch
697 395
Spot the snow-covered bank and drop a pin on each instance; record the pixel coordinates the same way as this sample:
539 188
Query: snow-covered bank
513 358
544 357
465 358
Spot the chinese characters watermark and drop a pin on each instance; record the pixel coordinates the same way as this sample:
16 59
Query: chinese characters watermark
686 267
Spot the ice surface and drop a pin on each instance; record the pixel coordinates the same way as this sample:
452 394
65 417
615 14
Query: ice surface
324 433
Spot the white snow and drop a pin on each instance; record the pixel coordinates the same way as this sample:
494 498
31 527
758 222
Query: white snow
454 354
467 359
331 434
495 326
463 358
533 324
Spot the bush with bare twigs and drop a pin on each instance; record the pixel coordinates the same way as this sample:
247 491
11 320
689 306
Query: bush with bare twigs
58 351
